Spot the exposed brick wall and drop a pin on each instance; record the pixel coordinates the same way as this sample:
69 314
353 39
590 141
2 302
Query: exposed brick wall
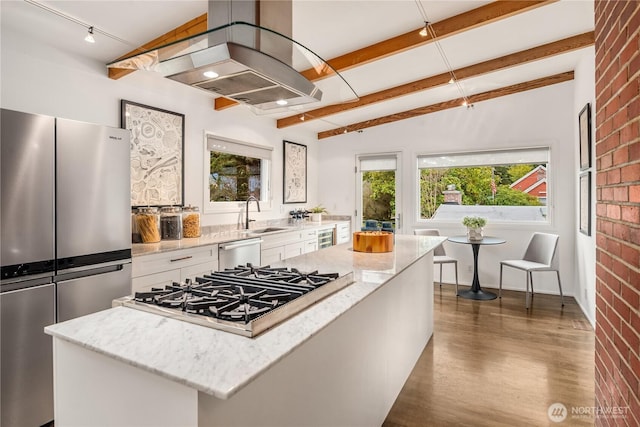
617 145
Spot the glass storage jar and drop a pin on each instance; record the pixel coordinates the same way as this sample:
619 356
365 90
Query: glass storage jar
190 221
171 223
135 234
148 224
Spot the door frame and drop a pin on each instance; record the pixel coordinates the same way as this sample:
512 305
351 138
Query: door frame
358 199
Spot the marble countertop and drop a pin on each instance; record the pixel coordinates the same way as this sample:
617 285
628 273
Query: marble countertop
221 363
138 249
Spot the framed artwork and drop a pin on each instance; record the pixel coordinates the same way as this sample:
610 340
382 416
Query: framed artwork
295 173
157 154
584 126
585 203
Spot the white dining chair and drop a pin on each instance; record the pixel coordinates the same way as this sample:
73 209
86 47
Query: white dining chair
439 255
538 257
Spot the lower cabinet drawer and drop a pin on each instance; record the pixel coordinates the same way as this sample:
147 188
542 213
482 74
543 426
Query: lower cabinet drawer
179 275
157 280
154 263
310 246
309 234
343 233
198 270
294 249
271 255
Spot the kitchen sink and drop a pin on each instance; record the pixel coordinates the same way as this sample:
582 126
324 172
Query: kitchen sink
266 230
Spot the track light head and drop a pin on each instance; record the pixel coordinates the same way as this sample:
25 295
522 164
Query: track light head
424 32
89 38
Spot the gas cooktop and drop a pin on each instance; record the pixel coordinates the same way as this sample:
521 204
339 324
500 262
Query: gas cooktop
245 300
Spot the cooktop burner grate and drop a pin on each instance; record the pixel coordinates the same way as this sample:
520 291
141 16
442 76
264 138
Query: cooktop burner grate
246 299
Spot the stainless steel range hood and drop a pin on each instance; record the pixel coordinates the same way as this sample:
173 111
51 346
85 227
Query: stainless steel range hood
244 74
253 60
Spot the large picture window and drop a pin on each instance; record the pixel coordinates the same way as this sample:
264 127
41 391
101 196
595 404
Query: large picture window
236 170
505 185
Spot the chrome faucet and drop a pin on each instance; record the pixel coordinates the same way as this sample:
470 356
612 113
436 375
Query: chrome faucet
250 198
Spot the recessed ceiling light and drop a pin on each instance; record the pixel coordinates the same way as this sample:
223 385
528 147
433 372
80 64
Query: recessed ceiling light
210 74
281 102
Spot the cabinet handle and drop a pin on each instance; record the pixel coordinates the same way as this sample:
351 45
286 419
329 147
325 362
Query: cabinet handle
181 259
241 244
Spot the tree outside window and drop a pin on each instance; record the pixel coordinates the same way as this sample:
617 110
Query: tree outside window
234 171
234 178
379 195
501 185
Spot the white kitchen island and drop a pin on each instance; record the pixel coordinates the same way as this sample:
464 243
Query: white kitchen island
340 362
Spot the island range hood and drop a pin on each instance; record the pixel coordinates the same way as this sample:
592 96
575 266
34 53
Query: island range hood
243 74
246 55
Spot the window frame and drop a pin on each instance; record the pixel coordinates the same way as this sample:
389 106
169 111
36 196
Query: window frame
235 206
549 221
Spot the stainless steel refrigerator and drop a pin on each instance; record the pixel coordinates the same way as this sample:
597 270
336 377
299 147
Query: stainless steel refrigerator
65 244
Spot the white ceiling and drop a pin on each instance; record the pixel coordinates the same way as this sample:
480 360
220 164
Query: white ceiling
331 28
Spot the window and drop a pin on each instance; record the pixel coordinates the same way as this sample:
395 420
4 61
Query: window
508 185
234 171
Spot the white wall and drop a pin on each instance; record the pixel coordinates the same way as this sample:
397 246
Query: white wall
542 117
39 79
585 265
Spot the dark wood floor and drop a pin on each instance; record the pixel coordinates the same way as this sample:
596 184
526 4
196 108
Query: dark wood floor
493 363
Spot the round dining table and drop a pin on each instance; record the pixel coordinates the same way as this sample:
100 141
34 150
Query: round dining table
476 291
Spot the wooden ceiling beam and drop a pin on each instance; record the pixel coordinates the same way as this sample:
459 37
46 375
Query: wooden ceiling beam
508 90
457 24
540 52
193 27
466 21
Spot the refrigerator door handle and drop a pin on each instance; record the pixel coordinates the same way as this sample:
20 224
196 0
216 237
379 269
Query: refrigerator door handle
26 282
91 271
96 266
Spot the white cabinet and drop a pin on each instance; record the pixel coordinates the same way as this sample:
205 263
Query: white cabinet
160 269
309 241
280 246
271 255
283 245
156 280
343 232
197 270
310 246
294 249
307 235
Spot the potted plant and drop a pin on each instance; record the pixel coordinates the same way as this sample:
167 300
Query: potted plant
474 226
316 213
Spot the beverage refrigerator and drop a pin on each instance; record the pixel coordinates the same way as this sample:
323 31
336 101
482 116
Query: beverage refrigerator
65 244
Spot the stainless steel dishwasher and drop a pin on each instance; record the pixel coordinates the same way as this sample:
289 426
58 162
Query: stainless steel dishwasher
232 254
